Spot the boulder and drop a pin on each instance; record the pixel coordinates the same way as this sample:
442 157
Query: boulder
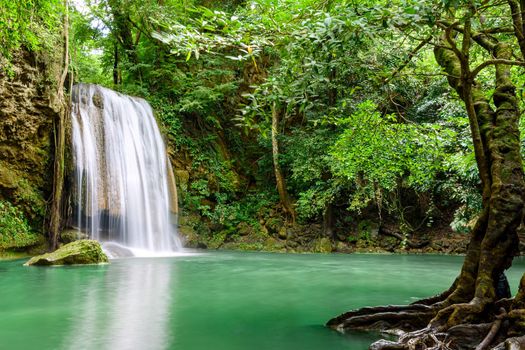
75 253
71 235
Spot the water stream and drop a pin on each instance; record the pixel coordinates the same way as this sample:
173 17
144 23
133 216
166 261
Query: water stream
122 190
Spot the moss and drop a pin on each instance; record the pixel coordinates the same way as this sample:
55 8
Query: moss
78 252
68 236
244 246
12 255
323 245
15 232
218 239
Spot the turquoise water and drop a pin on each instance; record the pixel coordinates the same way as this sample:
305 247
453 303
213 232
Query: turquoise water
214 300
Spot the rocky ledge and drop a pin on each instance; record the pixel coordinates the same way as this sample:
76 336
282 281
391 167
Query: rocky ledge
75 253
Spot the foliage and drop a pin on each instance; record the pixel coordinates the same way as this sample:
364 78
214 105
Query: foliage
29 23
376 151
365 118
15 231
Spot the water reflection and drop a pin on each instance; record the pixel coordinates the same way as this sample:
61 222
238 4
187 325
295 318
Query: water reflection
127 309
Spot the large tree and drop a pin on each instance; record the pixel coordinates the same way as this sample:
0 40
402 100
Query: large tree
478 45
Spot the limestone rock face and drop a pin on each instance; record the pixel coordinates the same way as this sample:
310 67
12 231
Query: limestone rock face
28 108
75 253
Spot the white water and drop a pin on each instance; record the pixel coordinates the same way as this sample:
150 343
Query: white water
121 190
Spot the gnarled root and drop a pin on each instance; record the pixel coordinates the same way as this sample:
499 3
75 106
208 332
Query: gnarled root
516 343
445 330
457 314
404 317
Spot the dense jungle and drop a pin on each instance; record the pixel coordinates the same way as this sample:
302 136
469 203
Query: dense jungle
334 126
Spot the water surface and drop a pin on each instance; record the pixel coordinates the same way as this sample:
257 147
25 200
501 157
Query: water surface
215 300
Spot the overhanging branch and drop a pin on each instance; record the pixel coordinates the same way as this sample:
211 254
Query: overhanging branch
485 64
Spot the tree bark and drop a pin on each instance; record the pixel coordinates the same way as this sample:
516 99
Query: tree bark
279 178
328 221
60 135
122 31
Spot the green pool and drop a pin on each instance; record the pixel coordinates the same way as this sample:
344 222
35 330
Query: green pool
213 300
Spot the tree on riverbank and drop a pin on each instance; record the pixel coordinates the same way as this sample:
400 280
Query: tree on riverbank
477 45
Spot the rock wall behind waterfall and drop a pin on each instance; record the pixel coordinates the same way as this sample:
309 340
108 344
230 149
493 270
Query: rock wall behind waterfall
28 108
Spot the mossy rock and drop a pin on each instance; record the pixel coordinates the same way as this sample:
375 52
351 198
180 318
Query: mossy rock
245 229
81 252
323 245
68 236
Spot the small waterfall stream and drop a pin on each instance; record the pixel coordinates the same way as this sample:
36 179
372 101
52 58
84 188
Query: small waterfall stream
122 186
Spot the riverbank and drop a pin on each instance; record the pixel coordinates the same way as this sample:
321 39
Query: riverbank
310 238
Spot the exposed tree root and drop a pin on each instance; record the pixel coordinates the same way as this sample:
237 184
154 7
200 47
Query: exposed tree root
402 238
410 321
473 313
457 314
494 329
516 343
403 317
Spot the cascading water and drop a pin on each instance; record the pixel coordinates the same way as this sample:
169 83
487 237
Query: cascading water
122 190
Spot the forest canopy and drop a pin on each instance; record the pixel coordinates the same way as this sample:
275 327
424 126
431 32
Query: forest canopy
333 109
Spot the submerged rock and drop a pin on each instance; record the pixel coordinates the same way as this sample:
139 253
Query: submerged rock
78 252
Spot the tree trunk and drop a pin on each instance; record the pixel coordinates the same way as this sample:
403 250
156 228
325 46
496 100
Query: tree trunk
472 299
328 221
60 135
494 240
116 72
122 31
279 178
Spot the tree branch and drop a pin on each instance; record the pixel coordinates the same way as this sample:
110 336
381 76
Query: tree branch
482 38
450 41
485 64
409 58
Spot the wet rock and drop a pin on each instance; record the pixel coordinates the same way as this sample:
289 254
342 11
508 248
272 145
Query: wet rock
98 100
81 252
28 108
71 235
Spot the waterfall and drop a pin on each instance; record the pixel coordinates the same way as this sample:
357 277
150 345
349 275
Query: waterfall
121 190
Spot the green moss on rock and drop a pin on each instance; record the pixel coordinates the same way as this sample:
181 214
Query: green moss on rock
323 245
75 253
71 235
15 232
